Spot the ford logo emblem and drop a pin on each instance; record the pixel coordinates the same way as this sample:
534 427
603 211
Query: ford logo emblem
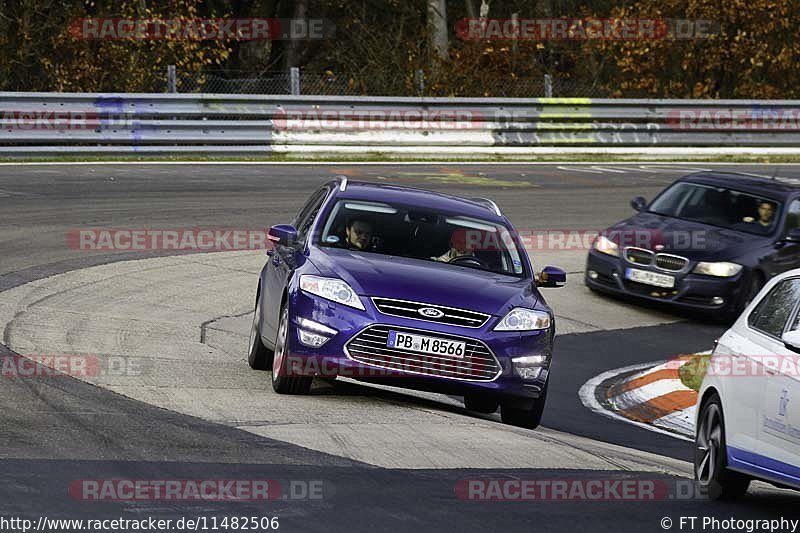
430 312
659 247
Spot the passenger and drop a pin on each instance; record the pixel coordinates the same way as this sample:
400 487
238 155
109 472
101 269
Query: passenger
461 244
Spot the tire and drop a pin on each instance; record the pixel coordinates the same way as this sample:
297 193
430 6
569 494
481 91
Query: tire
525 418
259 357
282 381
753 288
714 480
481 404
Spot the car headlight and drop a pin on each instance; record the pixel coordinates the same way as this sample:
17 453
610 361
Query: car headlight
605 245
332 289
720 270
522 319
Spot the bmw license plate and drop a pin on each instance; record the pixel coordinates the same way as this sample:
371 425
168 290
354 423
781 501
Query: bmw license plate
423 344
650 278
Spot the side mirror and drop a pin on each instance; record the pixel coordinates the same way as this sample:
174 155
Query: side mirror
283 235
638 203
791 339
551 276
793 236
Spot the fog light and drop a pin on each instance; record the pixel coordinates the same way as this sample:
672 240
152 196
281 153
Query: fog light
592 274
717 300
529 367
314 340
528 373
312 333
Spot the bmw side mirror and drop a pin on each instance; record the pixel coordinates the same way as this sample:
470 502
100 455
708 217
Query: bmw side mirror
793 236
551 276
639 203
791 339
283 235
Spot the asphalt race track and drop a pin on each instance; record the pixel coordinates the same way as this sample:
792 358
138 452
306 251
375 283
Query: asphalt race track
350 456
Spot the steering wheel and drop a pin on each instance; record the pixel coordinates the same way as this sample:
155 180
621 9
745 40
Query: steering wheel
469 260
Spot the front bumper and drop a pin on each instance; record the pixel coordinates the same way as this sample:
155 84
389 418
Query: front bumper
691 291
334 360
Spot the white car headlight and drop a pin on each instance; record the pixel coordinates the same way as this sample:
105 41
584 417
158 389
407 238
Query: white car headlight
720 270
522 319
607 246
332 289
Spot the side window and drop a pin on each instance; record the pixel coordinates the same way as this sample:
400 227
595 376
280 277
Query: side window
792 217
771 313
309 213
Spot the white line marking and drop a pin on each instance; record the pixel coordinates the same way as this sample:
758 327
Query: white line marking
668 168
373 163
608 169
589 399
575 169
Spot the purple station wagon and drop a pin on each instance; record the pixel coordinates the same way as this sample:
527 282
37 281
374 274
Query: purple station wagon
409 288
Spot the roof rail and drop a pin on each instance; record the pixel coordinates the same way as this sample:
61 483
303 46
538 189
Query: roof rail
342 182
488 203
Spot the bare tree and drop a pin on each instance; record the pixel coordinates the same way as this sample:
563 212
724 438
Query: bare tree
437 27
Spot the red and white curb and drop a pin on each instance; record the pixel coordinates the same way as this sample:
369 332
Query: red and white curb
652 396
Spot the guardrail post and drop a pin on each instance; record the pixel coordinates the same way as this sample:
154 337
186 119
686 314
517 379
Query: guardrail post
172 79
548 86
294 81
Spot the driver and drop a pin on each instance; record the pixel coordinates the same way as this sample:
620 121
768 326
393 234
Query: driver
766 212
460 245
359 233
766 215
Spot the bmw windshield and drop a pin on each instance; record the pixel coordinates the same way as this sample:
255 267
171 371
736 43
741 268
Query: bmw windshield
718 206
407 231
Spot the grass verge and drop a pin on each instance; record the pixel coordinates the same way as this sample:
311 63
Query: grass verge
694 370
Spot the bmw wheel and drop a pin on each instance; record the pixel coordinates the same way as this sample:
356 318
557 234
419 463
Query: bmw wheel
529 418
713 478
282 380
259 356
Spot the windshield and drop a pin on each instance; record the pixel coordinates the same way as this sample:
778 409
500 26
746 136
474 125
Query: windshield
718 206
407 231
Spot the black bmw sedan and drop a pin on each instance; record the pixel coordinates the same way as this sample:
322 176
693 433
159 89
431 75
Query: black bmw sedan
708 242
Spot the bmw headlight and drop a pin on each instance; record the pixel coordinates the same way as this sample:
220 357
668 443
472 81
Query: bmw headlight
332 289
720 270
522 319
605 245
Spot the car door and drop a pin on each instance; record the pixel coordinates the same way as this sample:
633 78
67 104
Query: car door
283 260
780 421
742 392
787 254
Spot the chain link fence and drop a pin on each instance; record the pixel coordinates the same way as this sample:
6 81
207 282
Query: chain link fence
328 84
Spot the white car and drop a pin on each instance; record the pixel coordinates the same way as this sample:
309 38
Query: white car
748 410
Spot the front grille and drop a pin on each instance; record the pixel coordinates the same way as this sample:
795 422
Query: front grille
449 315
670 262
369 347
638 256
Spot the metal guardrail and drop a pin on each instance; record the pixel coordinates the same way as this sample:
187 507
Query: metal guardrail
63 123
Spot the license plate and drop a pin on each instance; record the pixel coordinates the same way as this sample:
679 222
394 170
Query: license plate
650 278
423 344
